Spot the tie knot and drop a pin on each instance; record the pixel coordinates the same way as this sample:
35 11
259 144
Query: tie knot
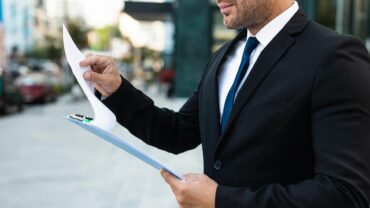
252 43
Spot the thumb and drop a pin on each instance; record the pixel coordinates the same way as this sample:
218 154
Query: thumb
169 178
93 77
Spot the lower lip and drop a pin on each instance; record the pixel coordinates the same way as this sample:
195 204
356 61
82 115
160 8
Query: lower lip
225 9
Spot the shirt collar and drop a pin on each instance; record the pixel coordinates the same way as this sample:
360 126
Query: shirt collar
269 31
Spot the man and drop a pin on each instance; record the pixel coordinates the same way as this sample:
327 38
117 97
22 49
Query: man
282 112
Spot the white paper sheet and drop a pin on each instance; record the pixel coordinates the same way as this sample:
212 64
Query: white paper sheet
103 117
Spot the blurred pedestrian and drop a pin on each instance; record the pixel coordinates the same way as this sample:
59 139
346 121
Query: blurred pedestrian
282 112
167 78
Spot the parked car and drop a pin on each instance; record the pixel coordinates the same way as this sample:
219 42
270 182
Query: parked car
10 96
36 87
77 93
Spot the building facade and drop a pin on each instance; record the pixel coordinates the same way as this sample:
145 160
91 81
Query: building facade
2 49
344 16
18 24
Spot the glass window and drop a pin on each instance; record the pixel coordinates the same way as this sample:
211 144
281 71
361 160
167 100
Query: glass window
360 24
344 16
326 12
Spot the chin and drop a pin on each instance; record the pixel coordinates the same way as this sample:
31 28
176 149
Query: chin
231 25
228 23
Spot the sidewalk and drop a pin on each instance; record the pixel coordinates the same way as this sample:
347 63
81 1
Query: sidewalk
46 162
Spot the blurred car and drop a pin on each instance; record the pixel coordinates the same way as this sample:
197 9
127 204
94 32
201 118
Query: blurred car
77 93
36 87
10 96
54 73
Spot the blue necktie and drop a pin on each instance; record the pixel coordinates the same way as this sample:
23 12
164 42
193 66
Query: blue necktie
249 48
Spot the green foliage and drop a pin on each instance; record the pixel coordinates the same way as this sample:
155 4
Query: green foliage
49 51
51 47
104 36
78 31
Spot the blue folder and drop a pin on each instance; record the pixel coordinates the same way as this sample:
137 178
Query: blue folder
122 144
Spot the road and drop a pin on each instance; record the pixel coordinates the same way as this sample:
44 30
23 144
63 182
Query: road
46 162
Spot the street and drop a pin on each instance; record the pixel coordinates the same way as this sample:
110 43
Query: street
47 162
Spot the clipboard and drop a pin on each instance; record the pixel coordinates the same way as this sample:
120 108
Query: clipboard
120 143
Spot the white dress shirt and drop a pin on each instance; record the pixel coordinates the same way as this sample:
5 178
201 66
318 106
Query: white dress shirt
230 67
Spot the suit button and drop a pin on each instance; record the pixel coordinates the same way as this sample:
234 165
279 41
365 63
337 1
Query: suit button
217 165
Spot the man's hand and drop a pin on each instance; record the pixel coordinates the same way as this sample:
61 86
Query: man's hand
196 190
104 74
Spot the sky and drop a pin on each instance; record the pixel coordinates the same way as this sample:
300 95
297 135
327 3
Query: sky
96 13
100 13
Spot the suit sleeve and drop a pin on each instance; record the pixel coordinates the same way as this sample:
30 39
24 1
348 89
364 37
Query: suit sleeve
165 129
340 123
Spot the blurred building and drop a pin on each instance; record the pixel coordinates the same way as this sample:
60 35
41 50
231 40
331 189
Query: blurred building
46 27
18 24
149 25
344 16
2 50
179 30
36 23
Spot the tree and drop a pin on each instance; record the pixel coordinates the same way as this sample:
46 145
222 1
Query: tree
104 36
78 31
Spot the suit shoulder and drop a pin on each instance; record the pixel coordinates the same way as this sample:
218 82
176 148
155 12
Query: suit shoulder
327 36
323 39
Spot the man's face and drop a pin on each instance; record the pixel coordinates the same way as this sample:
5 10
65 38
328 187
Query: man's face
245 13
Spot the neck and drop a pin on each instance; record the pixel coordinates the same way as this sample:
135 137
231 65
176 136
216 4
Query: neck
277 9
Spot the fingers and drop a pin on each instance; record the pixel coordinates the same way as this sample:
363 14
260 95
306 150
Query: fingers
94 77
102 91
169 178
190 177
106 83
92 60
97 79
196 190
177 186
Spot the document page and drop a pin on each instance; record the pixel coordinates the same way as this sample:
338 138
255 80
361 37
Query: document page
104 120
103 117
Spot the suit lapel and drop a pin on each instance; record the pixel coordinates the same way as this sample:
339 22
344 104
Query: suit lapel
266 61
211 99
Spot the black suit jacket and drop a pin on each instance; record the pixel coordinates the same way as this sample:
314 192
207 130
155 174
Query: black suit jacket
299 131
